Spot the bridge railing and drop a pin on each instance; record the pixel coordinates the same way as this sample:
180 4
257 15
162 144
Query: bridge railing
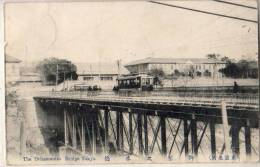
230 99
247 98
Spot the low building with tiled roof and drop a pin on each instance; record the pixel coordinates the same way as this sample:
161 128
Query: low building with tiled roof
11 59
192 66
102 74
12 69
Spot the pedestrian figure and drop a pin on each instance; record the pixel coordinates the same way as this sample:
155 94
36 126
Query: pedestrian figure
235 87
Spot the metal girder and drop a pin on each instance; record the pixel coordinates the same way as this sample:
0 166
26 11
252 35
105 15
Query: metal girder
202 135
125 131
175 136
112 126
164 134
106 129
155 132
194 137
146 149
213 139
248 139
186 130
131 135
139 133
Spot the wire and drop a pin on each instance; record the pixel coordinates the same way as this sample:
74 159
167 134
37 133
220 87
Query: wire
204 12
235 4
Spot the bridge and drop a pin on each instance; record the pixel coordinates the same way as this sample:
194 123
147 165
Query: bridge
173 127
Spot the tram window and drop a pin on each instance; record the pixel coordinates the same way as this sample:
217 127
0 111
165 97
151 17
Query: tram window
143 81
132 82
138 80
147 81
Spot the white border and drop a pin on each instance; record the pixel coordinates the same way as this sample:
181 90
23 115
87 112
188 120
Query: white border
2 102
2 88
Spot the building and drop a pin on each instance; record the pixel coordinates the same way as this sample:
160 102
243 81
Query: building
180 66
12 67
30 77
102 74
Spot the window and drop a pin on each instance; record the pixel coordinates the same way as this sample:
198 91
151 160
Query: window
147 81
137 81
143 81
106 78
88 78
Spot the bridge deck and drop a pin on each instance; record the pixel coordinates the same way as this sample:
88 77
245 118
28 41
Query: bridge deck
231 101
177 107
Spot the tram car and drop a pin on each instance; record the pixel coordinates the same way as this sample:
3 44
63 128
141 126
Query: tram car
129 84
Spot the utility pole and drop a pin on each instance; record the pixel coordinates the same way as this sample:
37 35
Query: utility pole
57 76
91 75
70 71
118 67
64 79
258 28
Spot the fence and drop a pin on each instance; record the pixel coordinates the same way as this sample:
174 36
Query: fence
239 99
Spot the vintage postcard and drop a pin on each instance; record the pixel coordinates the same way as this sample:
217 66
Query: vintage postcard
131 82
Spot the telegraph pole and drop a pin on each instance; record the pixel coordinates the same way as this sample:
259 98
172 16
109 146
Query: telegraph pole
258 28
57 76
118 67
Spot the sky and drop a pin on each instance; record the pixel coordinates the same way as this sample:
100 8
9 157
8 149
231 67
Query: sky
108 31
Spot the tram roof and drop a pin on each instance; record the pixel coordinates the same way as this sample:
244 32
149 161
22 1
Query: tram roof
134 76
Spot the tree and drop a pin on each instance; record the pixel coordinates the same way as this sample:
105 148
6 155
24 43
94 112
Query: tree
241 69
158 74
207 73
213 56
198 73
177 73
218 57
189 71
50 68
226 59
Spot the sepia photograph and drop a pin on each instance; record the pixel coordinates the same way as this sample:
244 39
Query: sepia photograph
131 82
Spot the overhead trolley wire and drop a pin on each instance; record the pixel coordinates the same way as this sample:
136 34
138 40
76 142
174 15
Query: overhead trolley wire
235 4
204 12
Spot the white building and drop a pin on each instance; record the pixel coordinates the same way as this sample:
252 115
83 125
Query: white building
196 66
102 74
12 67
30 78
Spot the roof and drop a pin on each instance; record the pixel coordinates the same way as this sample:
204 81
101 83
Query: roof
96 68
135 76
11 59
25 78
253 65
151 60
